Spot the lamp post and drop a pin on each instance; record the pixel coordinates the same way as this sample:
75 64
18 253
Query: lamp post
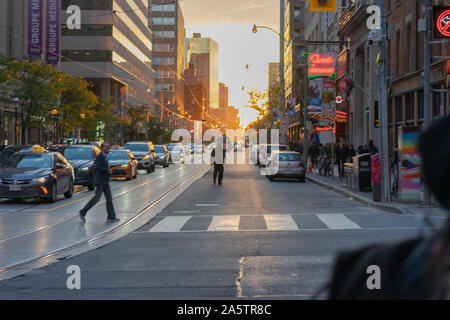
55 115
82 117
16 129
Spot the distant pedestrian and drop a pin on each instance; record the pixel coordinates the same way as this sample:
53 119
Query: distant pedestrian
101 181
341 157
218 163
361 150
351 152
372 149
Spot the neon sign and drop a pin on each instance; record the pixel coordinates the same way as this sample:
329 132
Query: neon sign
442 21
322 65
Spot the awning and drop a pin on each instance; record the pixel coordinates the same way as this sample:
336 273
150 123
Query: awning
327 118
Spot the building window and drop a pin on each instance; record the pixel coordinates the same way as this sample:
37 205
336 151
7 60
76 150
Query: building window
398 53
410 41
88 4
163 8
86 55
399 109
163 47
88 30
297 14
165 87
165 74
409 107
164 21
297 34
163 61
164 34
436 104
420 99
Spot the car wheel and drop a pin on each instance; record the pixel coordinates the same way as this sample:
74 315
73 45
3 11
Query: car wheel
69 192
149 170
53 194
153 167
91 186
130 175
135 174
271 178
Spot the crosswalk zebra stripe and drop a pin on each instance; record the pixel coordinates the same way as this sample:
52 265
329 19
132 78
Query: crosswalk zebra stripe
224 223
280 222
337 221
170 224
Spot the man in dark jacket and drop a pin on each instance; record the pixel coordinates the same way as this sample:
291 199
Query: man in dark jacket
218 163
101 181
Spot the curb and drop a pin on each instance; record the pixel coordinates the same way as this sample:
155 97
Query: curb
356 196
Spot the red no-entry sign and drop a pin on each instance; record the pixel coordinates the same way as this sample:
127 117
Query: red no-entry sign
442 22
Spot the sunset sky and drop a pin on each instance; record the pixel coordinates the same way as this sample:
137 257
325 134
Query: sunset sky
230 23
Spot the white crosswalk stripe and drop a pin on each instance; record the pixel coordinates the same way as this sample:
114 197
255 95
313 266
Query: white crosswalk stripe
281 222
170 224
224 223
337 221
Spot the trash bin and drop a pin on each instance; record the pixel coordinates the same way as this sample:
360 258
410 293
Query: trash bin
348 173
361 171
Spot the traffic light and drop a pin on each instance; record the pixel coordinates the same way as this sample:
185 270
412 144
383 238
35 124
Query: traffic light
322 5
441 22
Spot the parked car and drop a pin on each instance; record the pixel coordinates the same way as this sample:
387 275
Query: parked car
122 164
177 153
9 150
82 159
265 151
285 164
144 152
162 156
36 174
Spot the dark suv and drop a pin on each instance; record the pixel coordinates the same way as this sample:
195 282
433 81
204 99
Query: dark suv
81 158
144 152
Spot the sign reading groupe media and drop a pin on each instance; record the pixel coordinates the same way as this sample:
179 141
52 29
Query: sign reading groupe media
36 27
322 65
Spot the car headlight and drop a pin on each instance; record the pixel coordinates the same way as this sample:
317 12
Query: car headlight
84 169
146 157
40 180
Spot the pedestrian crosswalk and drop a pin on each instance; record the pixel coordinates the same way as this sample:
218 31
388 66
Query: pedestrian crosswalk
273 222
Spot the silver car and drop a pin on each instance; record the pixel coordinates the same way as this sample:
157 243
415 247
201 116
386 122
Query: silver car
285 164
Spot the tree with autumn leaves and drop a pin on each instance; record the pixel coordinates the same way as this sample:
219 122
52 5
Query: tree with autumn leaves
40 89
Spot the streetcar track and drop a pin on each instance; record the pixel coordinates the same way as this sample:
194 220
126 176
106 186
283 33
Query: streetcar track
105 233
30 231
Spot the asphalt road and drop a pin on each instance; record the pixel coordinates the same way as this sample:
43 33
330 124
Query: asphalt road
249 238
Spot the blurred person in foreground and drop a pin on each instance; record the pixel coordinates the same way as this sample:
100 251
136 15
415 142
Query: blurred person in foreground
413 269
218 161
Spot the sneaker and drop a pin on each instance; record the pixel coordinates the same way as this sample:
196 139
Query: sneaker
82 216
113 220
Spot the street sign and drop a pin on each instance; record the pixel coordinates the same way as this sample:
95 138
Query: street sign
322 5
441 22
322 65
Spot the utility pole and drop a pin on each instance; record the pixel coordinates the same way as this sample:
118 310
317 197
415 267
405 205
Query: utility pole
305 109
282 84
384 148
427 85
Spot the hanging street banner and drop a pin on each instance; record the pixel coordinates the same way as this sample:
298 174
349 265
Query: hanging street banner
34 28
322 65
52 32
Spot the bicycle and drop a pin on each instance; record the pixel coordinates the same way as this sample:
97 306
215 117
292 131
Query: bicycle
325 167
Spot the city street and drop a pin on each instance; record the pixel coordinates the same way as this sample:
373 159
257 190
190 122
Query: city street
248 238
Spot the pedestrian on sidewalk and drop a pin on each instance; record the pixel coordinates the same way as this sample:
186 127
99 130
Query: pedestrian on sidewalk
372 149
341 157
101 181
218 163
418 268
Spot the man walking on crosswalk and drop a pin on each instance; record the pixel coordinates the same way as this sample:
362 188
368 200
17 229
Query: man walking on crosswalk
220 151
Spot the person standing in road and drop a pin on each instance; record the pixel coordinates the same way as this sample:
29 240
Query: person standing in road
218 163
101 181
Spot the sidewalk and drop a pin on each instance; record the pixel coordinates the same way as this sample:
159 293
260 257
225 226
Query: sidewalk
335 184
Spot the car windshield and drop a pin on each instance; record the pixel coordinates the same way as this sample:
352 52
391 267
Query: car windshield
35 161
137 147
78 153
288 157
117 155
159 149
173 147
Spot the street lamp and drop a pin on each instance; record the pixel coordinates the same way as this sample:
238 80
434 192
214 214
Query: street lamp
55 114
16 106
82 117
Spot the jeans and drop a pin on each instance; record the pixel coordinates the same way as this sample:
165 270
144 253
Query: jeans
98 193
218 168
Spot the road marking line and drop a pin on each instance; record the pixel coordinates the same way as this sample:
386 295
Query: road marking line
170 224
337 221
193 211
206 205
224 223
280 222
